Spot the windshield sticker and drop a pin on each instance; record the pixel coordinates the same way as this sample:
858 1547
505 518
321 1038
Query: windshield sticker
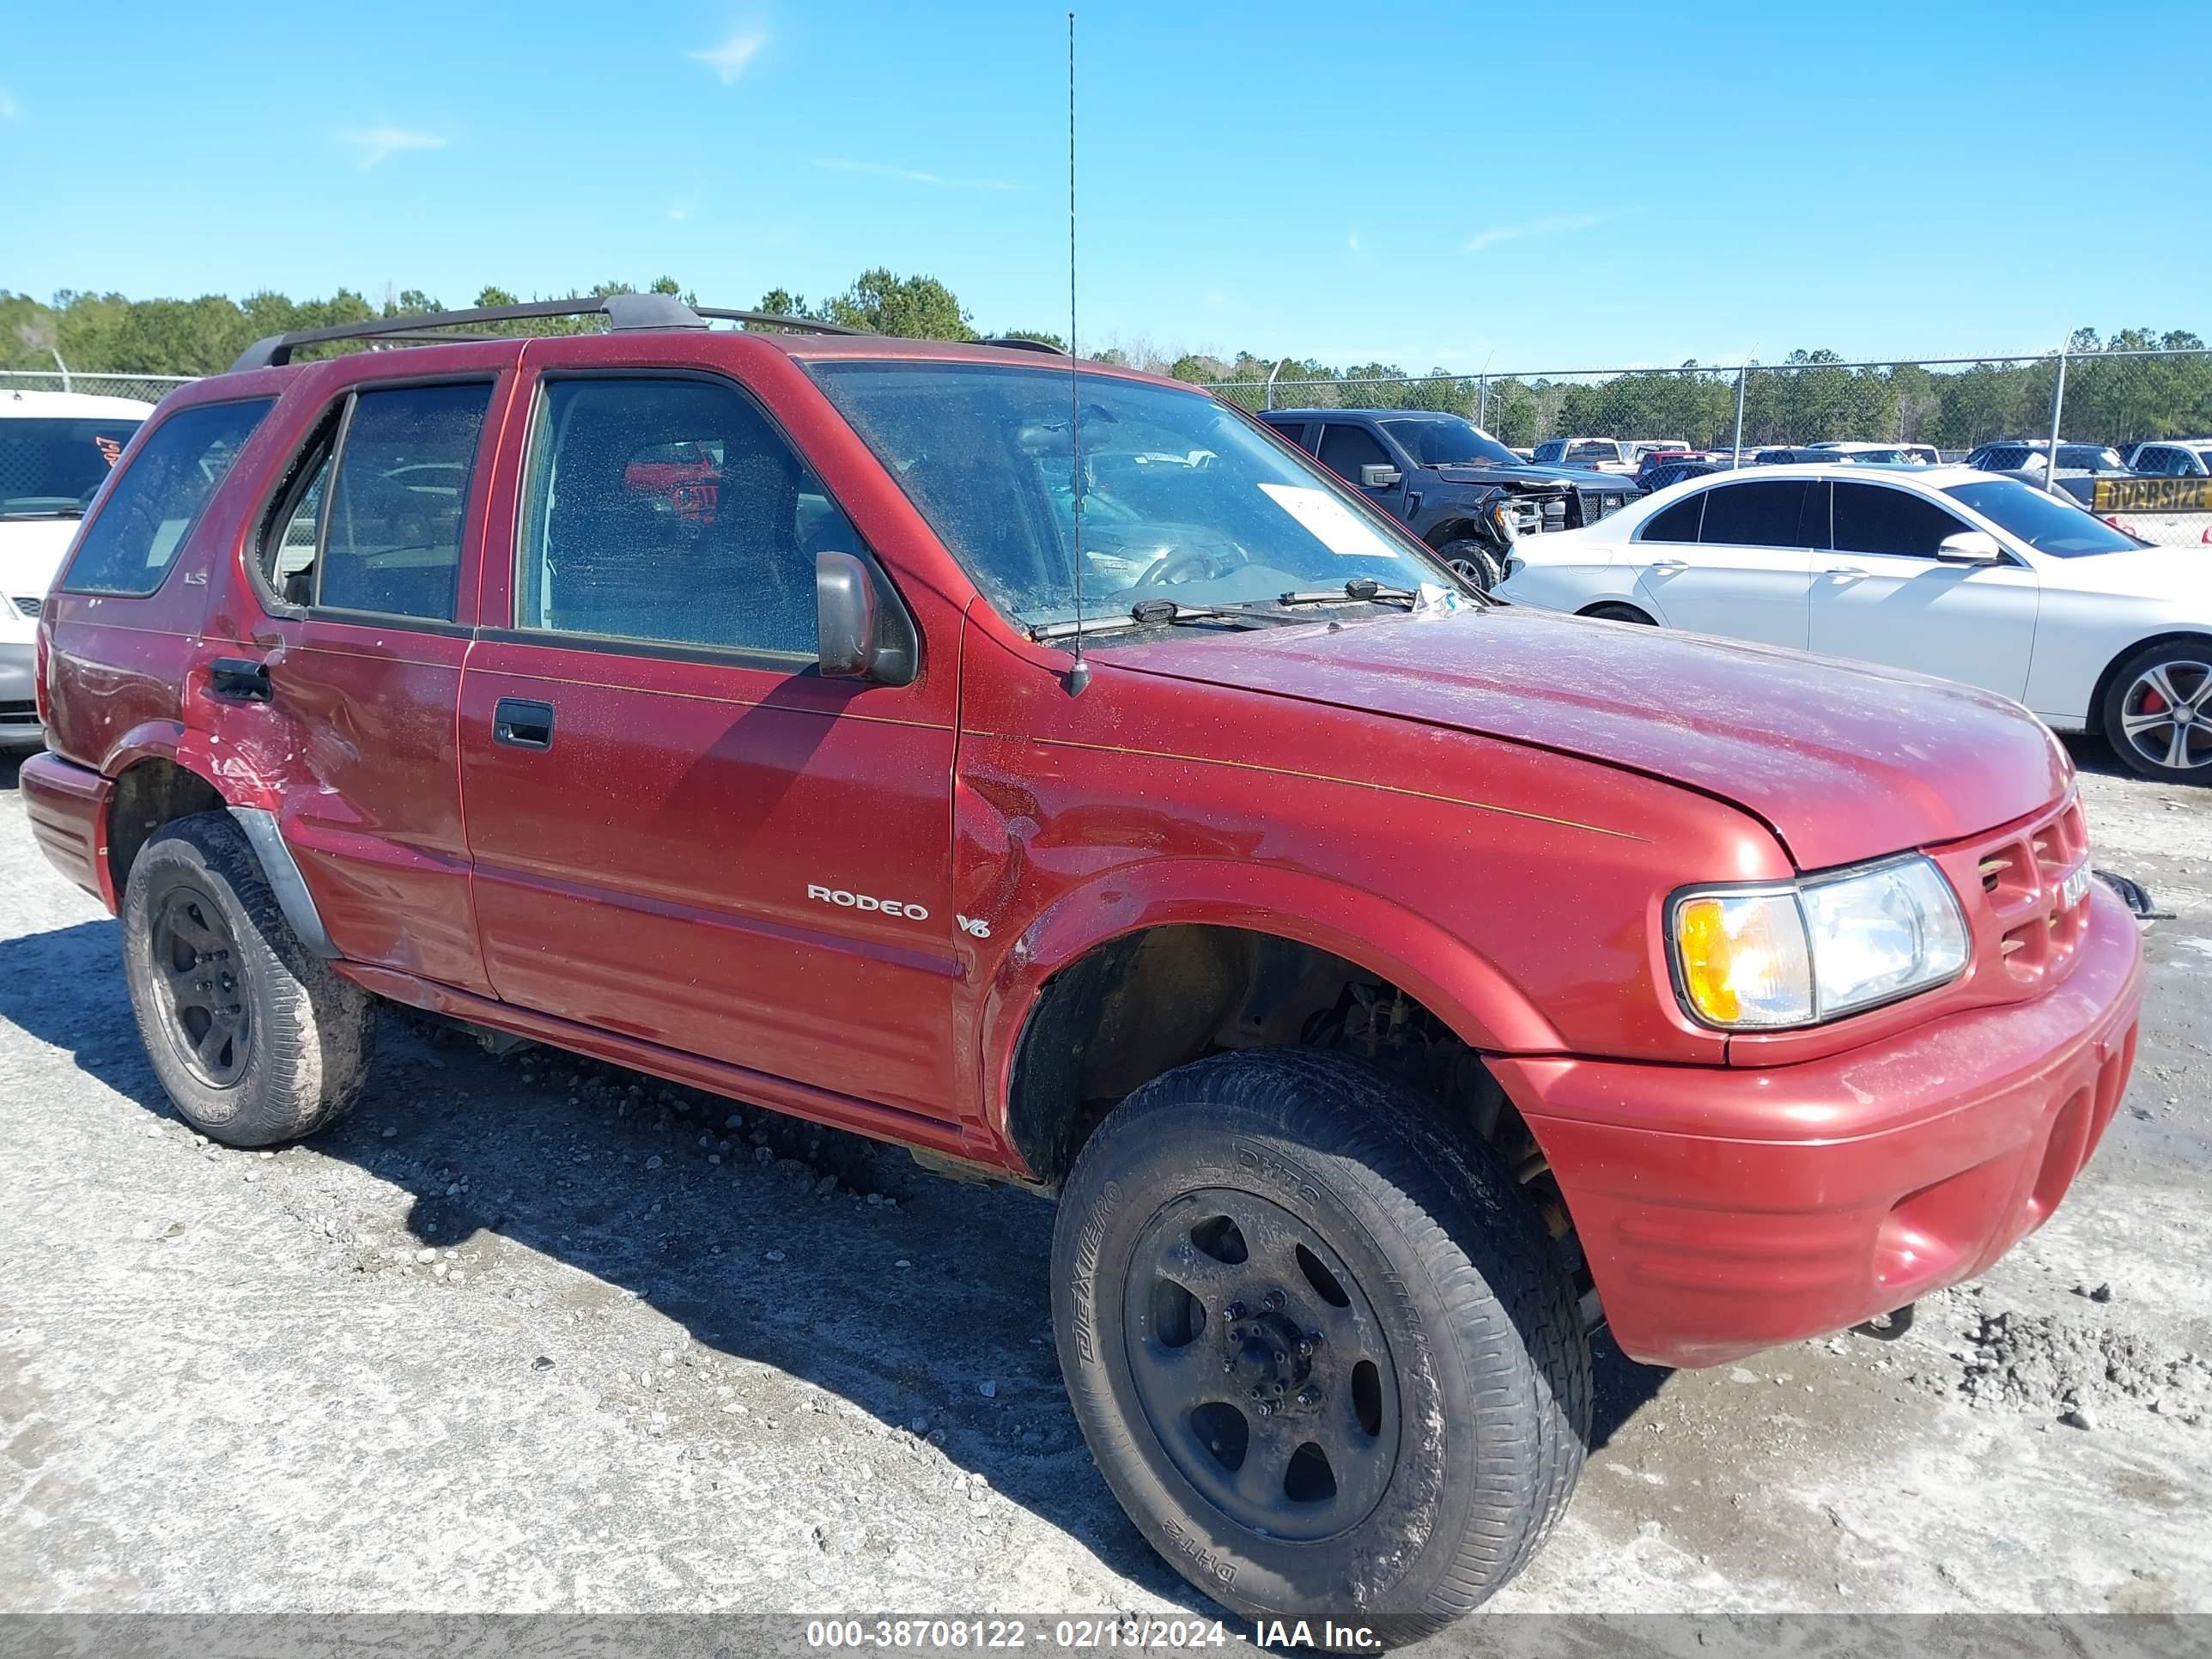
111 449
1330 521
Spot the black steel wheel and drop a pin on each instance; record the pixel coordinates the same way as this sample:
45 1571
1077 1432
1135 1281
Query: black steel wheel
1321 1347
1261 1364
255 1039
200 1004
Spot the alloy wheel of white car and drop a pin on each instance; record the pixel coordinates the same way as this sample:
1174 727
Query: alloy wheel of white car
2165 715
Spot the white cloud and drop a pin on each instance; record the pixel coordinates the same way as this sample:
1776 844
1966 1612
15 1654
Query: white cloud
373 144
881 170
1497 233
729 59
9 109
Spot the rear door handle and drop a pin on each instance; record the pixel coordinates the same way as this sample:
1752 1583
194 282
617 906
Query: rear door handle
239 679
522 724
1667 567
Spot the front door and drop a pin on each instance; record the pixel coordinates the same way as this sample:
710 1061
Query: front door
1347 449
1735 560
681 831
1883 596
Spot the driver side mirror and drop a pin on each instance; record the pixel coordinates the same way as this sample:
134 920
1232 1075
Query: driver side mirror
856 637
1378 476
1971 547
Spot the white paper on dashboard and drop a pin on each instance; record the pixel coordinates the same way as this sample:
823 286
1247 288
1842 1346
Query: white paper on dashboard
1332 523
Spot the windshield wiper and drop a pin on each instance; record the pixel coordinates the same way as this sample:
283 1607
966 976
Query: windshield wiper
1147 613
1364 588
48 512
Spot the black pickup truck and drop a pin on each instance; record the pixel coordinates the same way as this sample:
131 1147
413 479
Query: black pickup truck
1453 485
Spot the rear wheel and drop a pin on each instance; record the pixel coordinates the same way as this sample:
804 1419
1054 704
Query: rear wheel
2157 711
1324 1353
1473 561
256 1040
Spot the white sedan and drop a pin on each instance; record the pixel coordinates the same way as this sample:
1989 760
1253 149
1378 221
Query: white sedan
1942 570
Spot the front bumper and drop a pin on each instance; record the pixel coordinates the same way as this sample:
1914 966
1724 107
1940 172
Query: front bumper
19 707
1724 1211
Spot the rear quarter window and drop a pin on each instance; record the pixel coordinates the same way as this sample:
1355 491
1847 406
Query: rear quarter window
150 509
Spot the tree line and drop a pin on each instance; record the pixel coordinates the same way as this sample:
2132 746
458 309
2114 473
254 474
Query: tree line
1808 395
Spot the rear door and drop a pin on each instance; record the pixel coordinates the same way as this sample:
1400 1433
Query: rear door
1883 596
681 832
1745 574
343 674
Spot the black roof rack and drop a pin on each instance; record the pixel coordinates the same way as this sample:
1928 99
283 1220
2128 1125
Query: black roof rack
621 311
1012 344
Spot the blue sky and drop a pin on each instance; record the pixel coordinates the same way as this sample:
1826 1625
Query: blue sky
1527 187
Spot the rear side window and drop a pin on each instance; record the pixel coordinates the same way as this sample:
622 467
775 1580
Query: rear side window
392 540
670 510
129 548
1872 519
373 517
1593 449
1290 432
1770 514
1678 523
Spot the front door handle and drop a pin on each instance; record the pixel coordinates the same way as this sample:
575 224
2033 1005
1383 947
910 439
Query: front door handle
239 679
1847 571
520 724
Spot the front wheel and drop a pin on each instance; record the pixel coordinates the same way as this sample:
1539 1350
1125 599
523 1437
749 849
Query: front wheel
1474 562
1323 1351
2157 713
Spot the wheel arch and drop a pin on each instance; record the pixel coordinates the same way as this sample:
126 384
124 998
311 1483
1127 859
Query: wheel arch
1110 987
152 787
2093 720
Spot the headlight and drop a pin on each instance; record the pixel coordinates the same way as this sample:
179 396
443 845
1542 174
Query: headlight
1501 514
1797 953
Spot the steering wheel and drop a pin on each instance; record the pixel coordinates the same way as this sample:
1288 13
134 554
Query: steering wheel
1189 564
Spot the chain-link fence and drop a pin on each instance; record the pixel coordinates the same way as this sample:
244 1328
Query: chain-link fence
2124 401
146 388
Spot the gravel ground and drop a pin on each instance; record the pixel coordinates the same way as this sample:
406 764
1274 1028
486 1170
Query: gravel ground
530 1334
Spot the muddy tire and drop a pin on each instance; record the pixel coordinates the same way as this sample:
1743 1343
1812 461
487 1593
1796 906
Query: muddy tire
1324 1352
256 1040
1475 561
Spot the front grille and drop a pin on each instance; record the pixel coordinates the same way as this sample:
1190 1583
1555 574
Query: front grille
14 709
1597 504
2022 878
29 605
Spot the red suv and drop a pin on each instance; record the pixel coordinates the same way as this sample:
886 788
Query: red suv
1391 985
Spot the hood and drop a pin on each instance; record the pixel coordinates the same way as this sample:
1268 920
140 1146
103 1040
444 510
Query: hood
1843 761
2182 574
1580 477
31 552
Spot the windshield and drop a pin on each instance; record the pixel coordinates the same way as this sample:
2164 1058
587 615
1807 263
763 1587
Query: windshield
50 468
2049 524
1182 501
1448 440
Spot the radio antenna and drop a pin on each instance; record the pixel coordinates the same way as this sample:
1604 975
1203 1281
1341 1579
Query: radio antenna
1078 673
